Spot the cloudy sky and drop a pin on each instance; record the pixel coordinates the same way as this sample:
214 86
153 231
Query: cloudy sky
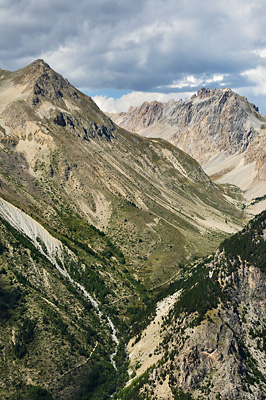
124 52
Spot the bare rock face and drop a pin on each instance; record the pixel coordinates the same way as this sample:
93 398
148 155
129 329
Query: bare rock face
147 115
210 122
131 211
43 93
216 356
220 129
46 82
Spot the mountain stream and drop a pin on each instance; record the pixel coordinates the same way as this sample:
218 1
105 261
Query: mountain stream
52 249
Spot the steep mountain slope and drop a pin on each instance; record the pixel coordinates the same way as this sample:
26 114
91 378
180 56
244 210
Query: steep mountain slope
60 154
92 218
220 129
211 342
55 336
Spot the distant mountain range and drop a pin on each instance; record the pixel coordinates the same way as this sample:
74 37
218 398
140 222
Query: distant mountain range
220 129
111 283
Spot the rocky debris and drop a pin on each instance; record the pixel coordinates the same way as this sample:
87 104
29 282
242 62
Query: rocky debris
50 171
46 94
47 83
63 120
9 141
149 112
47 269
154 202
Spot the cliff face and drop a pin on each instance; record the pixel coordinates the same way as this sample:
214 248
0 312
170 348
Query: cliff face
213 338
203 126
219 128
223 355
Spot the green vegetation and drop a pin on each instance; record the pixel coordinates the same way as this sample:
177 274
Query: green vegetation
249 244
37 393
9 301
66 329
151 211
24 337
179 394
80 235
201 293
24 241
100 383
2 130
258 199
132 391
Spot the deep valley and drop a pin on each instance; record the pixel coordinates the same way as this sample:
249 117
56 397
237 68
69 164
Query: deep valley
129 270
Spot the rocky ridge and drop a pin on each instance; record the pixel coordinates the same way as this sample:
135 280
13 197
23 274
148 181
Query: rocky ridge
220 129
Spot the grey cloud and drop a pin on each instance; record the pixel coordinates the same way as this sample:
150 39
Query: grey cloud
138 45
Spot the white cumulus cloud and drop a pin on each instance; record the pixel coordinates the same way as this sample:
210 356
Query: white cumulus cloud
258 77
193 81
260 52
111 105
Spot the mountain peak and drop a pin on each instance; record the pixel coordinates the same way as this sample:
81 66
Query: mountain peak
49 95
43 82
203 92
40 61
32 71
206 92
212 126
40 68
39 65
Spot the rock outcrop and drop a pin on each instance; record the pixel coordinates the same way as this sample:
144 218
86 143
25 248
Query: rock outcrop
205 125
95 222
212 340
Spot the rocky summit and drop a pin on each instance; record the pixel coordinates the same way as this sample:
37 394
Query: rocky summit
220 129
113 279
